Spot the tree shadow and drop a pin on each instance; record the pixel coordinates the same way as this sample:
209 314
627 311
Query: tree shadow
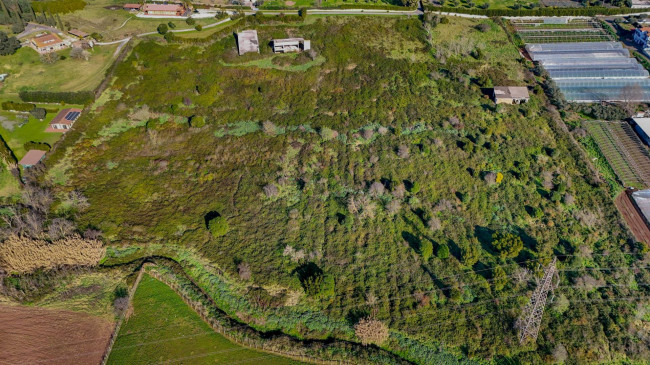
354 315
484 236
210 216
413 241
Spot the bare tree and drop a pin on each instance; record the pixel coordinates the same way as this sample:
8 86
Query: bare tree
403 151
631 95
371 331
376 189
60 228
244 271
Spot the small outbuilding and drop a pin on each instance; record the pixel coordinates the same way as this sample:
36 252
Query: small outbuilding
510 94
290 45
78 33
247 42
31 158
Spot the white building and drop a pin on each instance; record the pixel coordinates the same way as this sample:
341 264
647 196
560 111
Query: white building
291 45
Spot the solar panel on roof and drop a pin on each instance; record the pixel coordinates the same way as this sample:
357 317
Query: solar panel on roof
72 116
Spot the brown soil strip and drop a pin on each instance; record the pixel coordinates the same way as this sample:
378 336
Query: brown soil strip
43 336
633 217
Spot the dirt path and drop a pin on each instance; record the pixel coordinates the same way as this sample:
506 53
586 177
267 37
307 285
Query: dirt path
42 336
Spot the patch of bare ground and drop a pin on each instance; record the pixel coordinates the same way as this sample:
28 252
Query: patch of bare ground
43 336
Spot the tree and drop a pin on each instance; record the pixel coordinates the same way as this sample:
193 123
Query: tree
18 27
190 21
171 25
499 278
426 249
198 27
218 226
508 245
79 54
163 29
371 331
469 253
8 45
443 251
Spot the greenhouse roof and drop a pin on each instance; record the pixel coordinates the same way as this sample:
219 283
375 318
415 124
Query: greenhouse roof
598 74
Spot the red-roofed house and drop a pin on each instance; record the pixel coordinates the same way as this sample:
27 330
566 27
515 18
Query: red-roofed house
47 43
31 158
162 9
64 120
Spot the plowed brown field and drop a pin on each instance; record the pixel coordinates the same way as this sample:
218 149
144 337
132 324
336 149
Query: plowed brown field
41 336
633 217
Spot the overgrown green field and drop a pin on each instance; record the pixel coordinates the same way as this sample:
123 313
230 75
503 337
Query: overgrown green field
380 179
27 72
162 328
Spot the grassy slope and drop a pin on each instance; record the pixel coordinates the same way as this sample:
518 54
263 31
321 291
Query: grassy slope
163 328
155 183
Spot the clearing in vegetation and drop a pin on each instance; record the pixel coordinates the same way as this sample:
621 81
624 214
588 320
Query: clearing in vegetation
44 336
162 328
623 150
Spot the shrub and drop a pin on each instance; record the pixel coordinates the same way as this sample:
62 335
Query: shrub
19 107
50 58
120 292
218 226
163 29
197 121
31 145
371 331
69 97
38 113
190 21
199 27
171 25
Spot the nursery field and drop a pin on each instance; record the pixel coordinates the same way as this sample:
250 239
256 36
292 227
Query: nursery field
162 328
370 176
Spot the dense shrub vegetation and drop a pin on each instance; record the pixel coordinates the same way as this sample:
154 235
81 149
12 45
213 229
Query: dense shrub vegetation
78 97
379 182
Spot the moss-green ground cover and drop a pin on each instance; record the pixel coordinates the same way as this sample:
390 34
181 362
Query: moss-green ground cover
162 328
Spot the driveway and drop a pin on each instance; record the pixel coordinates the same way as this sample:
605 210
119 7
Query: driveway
35 28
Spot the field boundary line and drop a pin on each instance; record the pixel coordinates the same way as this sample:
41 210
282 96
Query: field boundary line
118 325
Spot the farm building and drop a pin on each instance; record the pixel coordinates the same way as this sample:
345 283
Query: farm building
291 45
131 7
642 128
31 158
65 119
247 42
48 43
510 94
593 71
163 9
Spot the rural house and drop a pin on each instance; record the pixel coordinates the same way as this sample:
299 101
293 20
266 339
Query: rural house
65 119
31 158
78 33
510 94
290 45
247 42
163 9
48 43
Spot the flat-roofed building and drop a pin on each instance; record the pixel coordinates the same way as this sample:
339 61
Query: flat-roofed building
291 45
510 94
48 43
247 42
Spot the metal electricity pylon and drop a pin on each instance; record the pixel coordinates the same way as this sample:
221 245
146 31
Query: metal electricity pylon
531 318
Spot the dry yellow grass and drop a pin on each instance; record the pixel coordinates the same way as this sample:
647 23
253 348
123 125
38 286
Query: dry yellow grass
22 255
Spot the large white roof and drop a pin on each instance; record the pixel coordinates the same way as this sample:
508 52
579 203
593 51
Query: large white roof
644 124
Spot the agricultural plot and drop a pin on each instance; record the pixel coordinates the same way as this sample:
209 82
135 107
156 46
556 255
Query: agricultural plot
163 328
623 150
580 30
43 336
